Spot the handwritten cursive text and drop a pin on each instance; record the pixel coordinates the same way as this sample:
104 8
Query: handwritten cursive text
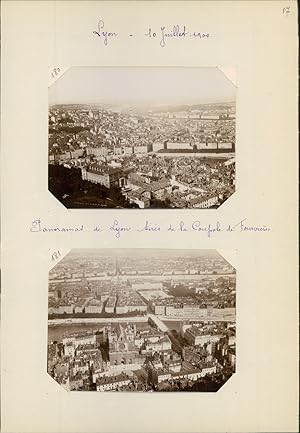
104 34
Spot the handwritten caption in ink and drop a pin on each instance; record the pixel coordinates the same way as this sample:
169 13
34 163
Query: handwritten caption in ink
118 228
160 34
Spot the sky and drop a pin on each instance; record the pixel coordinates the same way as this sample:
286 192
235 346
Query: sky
141 86
142 252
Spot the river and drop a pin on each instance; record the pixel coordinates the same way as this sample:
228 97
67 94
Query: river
56 333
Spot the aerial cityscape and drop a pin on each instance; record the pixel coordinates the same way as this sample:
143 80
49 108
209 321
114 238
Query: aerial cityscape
145 138
142 320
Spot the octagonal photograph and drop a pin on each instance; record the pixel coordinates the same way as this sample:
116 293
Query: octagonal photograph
138 137
142 320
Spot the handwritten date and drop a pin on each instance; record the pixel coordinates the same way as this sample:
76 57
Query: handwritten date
161 35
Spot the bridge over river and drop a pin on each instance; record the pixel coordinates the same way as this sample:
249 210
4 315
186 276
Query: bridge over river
158 322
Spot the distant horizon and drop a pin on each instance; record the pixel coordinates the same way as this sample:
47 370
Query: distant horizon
145 252
142 86
132 253
127 105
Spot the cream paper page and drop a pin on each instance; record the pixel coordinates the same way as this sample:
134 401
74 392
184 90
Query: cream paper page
255 44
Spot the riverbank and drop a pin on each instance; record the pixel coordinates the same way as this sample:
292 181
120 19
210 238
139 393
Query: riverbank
91 320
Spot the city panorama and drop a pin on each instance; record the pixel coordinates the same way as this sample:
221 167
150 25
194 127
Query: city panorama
142 138
142 320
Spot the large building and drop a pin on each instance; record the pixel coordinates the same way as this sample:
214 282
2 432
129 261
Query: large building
94 306
104 175
196 336
110 304
112 382
122 349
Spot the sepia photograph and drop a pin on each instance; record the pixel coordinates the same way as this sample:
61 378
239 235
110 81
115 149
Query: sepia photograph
142 137
145 320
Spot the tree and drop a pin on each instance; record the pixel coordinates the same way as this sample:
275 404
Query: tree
160 204
67 185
